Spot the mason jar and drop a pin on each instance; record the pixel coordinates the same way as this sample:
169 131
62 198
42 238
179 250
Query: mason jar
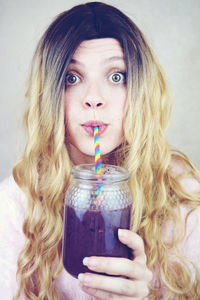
95 208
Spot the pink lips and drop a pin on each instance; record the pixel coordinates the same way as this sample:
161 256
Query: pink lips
89 127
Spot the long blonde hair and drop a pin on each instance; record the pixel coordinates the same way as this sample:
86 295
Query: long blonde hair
43 172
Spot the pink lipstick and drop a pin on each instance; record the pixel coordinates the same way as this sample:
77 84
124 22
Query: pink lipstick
89 127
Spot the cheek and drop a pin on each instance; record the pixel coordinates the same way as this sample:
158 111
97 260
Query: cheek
66 113
73 93
123 101
117 106
73 103
70 125
70 108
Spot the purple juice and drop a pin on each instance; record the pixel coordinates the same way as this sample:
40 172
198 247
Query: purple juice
93 233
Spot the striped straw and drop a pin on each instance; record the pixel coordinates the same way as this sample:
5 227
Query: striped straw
98 169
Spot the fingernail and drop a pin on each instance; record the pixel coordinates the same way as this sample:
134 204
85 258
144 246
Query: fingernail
80 277
85 261
91 262
121 233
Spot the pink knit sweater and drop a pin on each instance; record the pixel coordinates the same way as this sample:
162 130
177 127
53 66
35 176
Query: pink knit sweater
12 211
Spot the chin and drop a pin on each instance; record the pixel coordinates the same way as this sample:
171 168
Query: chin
103 150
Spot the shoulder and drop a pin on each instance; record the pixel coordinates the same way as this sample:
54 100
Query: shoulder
191 243
190 214
190 246
188 183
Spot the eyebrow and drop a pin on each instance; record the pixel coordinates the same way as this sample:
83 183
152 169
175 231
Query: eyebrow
107 60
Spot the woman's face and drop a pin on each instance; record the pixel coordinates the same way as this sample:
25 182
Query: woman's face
95 96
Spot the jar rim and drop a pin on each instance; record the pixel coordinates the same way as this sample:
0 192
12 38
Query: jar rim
111 173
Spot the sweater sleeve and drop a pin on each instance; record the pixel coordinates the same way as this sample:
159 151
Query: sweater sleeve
190 247
13 204
12 209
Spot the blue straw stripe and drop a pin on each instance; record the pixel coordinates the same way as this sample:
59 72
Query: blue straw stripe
96 138
98 165
97 151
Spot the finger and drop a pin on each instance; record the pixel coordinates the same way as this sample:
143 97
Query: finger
116 285
100 294
133 241
118 266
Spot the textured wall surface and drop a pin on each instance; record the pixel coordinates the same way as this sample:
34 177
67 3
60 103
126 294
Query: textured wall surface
172 28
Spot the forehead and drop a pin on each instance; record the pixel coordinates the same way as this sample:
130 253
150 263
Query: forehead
102 48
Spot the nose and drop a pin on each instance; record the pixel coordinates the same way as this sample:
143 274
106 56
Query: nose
93 103
93 98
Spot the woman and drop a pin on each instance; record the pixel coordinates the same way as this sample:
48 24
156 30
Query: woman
93 63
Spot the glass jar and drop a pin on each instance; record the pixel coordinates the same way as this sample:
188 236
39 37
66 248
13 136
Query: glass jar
95 208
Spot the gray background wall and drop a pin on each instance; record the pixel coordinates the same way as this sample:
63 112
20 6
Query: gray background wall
172 28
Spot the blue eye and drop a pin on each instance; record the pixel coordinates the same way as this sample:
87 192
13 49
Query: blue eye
118 77
71 79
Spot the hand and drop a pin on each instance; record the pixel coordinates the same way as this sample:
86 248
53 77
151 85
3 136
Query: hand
136 276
